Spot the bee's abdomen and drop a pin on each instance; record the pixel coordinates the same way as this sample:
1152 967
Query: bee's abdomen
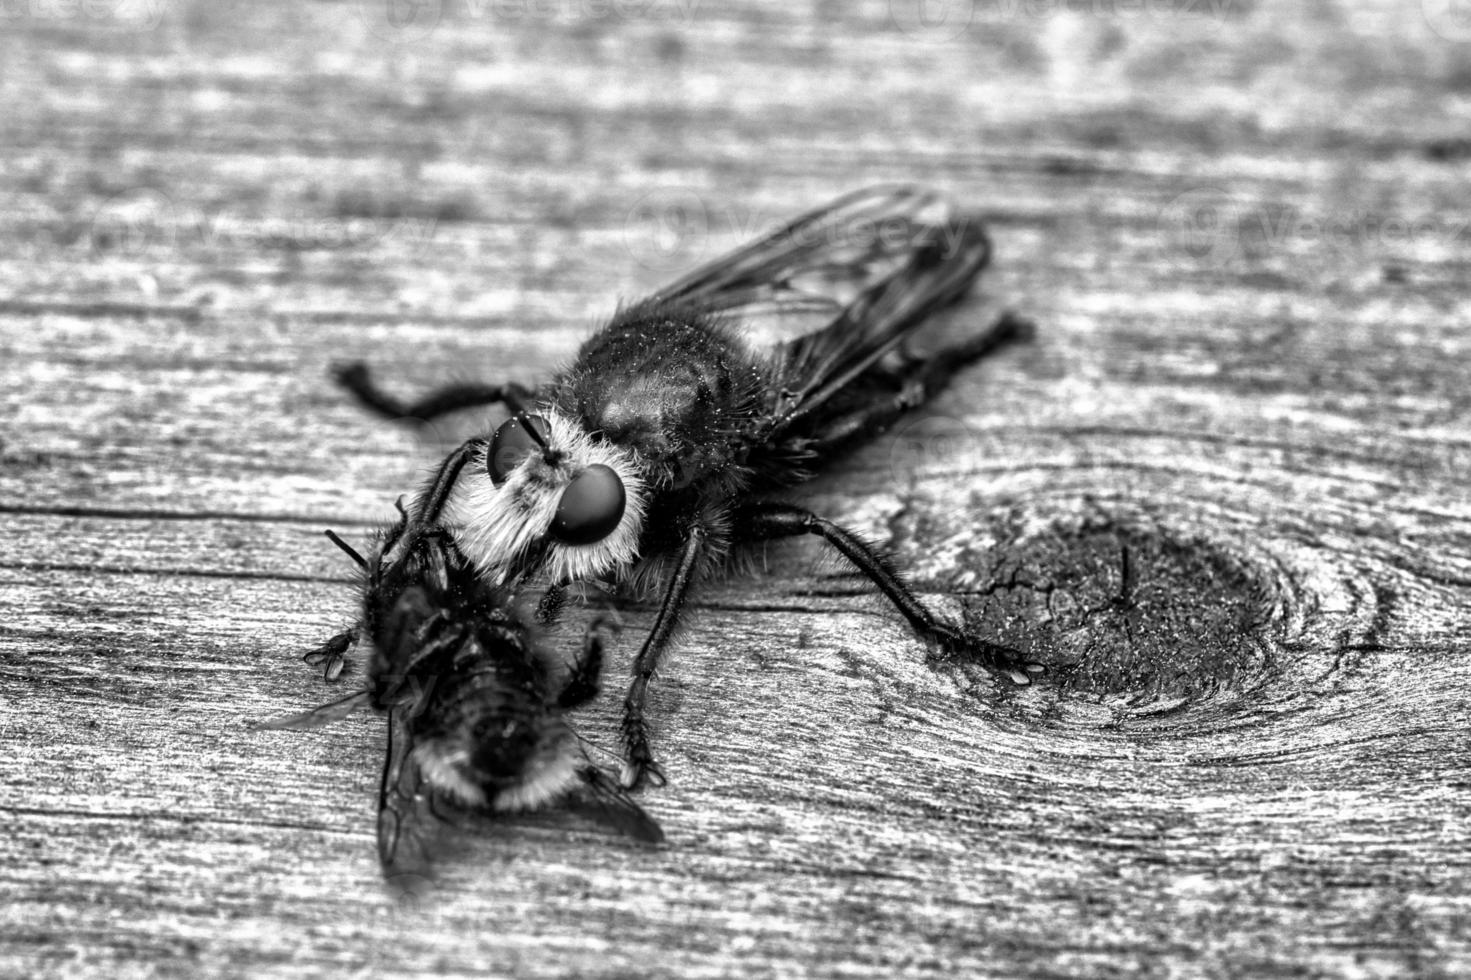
482 685
496 710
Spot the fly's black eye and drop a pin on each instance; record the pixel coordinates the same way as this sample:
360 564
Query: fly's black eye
511 444
590 508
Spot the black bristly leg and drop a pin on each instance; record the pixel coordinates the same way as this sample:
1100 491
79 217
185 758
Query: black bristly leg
357 379
766 520
582 683
639 764
936 369
430 504
436 495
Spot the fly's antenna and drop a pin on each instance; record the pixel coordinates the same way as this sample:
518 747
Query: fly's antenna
519 413
549 454
351 551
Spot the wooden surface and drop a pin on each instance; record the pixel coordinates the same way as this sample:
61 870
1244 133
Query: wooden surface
1243 233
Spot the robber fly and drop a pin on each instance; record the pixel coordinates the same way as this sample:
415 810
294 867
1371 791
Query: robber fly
652 458
476 715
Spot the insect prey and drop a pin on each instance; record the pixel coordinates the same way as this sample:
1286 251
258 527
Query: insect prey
476 703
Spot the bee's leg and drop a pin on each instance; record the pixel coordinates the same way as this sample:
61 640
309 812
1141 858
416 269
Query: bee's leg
582 684
913 382
639 764
357 379
765 520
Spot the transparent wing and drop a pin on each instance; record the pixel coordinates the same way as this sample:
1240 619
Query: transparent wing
317 717
603 799
408 827
836 289
819 261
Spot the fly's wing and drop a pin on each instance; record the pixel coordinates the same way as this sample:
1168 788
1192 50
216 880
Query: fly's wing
819 261
945 260
408 828
603 799
317 717
841 286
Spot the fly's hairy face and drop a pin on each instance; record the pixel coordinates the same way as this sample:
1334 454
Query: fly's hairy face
545 498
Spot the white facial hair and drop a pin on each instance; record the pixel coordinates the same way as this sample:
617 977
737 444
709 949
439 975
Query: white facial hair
494 526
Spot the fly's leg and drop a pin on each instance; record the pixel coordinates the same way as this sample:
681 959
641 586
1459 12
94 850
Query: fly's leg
936 369
436 495
582 683
357 379
915 381
431 501
767 520
639 764
410 532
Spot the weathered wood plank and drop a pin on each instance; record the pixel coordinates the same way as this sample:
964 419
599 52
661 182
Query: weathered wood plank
1227 482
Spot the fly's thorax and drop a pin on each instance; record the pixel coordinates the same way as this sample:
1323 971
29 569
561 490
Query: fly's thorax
506 531
676 386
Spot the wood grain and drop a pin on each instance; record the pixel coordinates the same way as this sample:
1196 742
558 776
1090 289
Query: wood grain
1226 485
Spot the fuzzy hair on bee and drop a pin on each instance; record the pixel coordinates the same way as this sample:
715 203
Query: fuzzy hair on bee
658 457
476 701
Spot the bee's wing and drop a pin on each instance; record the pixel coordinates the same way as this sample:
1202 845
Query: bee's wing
408 828
605 800
843 284
319 716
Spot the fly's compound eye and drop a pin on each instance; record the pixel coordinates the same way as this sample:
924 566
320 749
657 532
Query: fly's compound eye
591 507
512 443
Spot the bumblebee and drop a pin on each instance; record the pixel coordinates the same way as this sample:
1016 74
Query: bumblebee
476 703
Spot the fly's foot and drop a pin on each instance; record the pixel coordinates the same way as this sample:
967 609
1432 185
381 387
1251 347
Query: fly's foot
955 645
332 655
358 380
639 767
355 377
638 773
